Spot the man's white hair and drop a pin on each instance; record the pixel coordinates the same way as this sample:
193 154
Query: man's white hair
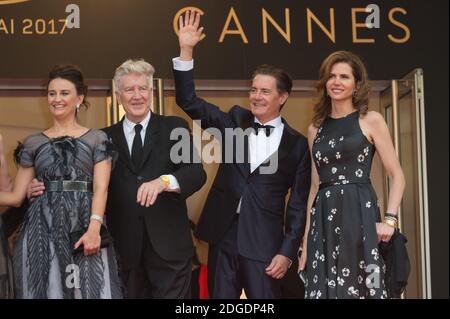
134 66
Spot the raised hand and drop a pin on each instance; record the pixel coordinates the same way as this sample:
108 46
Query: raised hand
189 34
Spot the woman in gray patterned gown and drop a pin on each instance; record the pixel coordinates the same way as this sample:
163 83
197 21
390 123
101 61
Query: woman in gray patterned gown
75 165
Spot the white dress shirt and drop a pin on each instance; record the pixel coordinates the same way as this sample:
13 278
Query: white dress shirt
261 147
128 130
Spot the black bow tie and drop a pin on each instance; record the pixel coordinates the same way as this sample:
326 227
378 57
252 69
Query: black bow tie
267 128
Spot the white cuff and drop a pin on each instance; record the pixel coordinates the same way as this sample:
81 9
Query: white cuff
181 65
173 186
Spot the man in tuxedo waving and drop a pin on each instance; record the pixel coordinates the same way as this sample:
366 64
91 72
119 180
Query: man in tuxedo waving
253 235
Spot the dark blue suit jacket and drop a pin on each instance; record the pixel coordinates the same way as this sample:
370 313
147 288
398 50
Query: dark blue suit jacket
267 225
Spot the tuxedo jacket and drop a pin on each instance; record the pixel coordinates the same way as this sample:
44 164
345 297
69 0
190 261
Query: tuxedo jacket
165 222
267 224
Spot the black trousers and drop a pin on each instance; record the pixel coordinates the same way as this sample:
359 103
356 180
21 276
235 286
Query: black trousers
229 272
291 285
155 277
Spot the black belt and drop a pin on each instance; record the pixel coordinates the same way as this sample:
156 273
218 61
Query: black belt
341 183
68 186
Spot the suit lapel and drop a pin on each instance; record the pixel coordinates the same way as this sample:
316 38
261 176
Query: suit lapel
244 167
151 137
120 141
287 141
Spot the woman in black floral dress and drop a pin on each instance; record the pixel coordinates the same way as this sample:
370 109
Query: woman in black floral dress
340 247
75 164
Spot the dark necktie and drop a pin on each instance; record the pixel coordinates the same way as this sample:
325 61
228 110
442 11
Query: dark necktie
136 148
267 128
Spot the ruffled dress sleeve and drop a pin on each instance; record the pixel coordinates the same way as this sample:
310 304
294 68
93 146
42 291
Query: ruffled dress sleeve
104 149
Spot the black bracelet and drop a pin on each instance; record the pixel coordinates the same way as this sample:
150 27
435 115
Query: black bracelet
391 215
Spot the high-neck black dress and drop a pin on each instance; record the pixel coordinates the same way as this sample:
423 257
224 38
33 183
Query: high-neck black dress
343 256
44 263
